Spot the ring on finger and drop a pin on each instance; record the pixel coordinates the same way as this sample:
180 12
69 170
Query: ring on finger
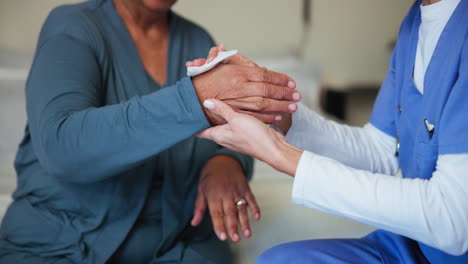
241 202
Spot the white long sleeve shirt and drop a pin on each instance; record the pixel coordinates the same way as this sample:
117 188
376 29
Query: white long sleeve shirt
347 171
434 18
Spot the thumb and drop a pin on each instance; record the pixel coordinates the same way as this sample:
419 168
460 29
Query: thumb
214 133
219 108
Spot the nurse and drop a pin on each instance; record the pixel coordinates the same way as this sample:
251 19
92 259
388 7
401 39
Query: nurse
109 170
419 125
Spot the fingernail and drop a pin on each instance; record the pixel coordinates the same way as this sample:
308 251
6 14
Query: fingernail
291 107
246 233
296 96
208 104
278 118
291 84
187 63
235 237
257 216
222 236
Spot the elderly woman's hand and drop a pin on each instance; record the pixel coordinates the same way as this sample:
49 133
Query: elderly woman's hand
253 90
282 121
248 135
222 184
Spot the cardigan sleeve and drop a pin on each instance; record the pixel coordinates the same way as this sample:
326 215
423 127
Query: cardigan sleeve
78 139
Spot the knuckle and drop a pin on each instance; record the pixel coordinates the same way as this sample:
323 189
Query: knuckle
243 211
281 106
284 92
231 211
262 73
216 213
232 225
248 62
244 221
265 74
266 91
268 119
259 104
236 83
218 227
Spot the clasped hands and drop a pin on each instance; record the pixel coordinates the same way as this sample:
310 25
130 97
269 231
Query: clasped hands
239 98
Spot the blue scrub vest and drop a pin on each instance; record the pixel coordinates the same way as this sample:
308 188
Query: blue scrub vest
401 111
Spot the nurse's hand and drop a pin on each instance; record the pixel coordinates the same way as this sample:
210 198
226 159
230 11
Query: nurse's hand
245 134
222 184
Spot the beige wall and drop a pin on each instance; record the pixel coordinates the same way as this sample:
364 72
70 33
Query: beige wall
21 21
349 38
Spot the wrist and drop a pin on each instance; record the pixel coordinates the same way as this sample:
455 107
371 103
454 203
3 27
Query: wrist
200 96
189 101
286 158
223 162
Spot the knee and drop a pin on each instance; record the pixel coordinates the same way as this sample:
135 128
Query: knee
277 254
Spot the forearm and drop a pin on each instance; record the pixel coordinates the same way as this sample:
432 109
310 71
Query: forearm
365 148
430 211
96 143
285 158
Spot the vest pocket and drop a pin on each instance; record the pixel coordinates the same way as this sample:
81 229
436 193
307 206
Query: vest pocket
28 226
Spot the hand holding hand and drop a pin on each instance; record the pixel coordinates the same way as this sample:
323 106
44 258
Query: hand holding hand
283 121
248 135
247 88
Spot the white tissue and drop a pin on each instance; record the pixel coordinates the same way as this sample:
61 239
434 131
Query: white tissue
194 71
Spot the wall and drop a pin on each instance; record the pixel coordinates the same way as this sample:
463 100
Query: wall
21 21
349 38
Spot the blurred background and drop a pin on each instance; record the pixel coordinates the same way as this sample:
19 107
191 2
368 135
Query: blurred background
336 50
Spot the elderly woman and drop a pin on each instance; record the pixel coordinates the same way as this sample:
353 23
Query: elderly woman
108 170
419 125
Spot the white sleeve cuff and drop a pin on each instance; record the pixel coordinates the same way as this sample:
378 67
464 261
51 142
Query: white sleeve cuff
302 178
